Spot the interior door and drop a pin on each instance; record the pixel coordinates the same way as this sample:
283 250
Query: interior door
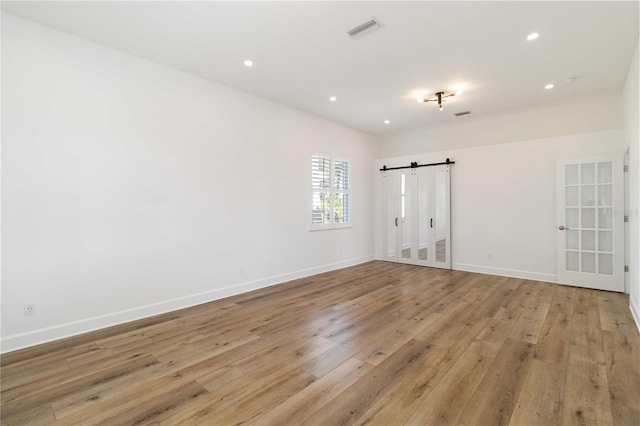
391 221
417 225
590 222
407 220
424 217
441 214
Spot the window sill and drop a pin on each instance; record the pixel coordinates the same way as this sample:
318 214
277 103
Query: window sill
330 226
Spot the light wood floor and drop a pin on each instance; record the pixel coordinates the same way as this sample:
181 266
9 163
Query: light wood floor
379 343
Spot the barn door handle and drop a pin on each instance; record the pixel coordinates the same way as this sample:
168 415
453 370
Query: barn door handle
396 221
432 222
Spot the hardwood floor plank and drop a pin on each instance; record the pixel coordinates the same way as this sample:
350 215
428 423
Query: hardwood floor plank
402 398
166 378
563 300
225 396
392 336
622 360
540 400
40 415
586 399
349 405
264 399
518 298
585 330
265 357
455 343
33 375
21 399
378 315
377 343
301 406
493 335
329 360
610 318
529 326
626 416
444 405
459 312
64 346
50 361
552 346
494 400
493 303
146 410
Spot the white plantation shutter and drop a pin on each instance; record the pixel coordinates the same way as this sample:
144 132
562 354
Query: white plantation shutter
320 184
341 175
330 192
341 188
320 172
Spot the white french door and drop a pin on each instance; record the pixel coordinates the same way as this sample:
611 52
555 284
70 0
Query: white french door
590 222
417 228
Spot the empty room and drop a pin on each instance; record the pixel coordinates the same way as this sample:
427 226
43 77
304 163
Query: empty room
320 213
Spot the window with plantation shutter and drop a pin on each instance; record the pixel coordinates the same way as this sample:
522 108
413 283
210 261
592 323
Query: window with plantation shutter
330 192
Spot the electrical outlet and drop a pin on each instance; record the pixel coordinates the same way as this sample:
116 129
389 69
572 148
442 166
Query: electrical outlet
29 308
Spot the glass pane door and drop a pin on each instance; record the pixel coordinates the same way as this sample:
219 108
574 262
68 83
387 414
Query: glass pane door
590 216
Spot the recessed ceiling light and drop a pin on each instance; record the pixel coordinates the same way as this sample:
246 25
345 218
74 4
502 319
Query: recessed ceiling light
387 121
548 86
533 36
248 63
333 99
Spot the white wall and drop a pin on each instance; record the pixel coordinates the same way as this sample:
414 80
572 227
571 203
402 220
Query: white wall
587 115
503 200
631 139
131 189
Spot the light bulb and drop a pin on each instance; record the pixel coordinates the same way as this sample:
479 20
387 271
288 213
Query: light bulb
248 63
532 36
333 99
441 108
420 100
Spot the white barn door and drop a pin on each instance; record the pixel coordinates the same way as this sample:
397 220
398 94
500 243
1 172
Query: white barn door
417 211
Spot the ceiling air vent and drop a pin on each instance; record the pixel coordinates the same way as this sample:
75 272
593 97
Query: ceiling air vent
364 29
458 114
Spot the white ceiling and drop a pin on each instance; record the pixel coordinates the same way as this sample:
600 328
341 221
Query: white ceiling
302 54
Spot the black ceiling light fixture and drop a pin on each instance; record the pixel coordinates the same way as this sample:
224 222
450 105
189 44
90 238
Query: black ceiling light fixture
440 96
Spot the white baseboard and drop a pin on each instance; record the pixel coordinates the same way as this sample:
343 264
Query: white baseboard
44 335
514 273
635 313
